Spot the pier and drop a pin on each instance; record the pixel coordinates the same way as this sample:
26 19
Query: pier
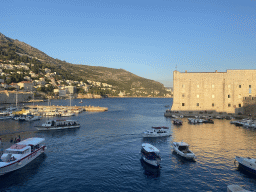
55 110
72 108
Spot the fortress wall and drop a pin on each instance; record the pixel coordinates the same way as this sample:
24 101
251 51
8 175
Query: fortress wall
217 91
10 96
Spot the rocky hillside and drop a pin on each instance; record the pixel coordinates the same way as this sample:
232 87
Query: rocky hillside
121 80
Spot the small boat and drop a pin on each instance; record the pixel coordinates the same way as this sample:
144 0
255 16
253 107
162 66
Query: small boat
19 118
58 124
150 154
20 154
246 163
157 132
182 149
81 101
208 121
32 118
177 122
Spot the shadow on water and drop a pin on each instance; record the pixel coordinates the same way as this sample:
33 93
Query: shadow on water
154 140
59 133
150 171
23 174
245 173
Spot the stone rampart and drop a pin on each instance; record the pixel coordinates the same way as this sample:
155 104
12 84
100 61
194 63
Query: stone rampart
10 96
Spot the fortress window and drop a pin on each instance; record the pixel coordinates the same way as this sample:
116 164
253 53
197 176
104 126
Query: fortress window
183 95
197 104
228 96
229 105
239 105
240 86
250 86
183 104
212 104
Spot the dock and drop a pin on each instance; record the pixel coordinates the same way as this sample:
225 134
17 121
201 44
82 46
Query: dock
44 108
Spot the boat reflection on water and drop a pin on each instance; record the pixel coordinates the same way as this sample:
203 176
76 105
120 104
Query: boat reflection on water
155 140
150 171
59 132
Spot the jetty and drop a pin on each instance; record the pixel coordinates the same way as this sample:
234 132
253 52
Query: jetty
56 110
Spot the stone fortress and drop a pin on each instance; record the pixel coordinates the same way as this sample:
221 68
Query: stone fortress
220 92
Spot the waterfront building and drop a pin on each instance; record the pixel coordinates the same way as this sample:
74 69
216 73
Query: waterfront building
213 91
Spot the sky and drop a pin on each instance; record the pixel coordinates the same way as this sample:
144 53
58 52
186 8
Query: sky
149 38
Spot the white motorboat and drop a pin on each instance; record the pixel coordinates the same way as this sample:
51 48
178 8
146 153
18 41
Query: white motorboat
182 149
157 132
150 154
20 154
58 124
246 163
32 118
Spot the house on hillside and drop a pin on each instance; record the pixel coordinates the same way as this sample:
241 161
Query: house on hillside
27 85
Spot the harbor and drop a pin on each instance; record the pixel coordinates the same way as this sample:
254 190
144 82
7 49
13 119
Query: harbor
107 148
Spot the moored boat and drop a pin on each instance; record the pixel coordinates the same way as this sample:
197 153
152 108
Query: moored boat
182 149
20 154
58 124
150 154
246 163
177 122
32 118
157 132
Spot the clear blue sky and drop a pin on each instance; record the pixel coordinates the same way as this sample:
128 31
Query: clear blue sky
146 37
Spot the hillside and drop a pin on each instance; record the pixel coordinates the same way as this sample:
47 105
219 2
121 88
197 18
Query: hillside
121 80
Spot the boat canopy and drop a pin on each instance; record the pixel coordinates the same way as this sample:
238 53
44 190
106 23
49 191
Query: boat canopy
150 148
17 147
32 141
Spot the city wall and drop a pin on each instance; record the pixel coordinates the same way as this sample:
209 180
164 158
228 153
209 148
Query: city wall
10 96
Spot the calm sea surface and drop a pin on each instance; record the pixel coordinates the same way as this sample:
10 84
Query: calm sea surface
104 153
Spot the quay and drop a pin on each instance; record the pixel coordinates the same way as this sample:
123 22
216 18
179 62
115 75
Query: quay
210 114
56 108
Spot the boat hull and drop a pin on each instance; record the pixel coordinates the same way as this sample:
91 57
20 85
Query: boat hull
19 163
153 163
156 135
247 164
45 128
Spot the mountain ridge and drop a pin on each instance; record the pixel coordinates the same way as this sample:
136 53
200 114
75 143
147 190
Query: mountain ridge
122 80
